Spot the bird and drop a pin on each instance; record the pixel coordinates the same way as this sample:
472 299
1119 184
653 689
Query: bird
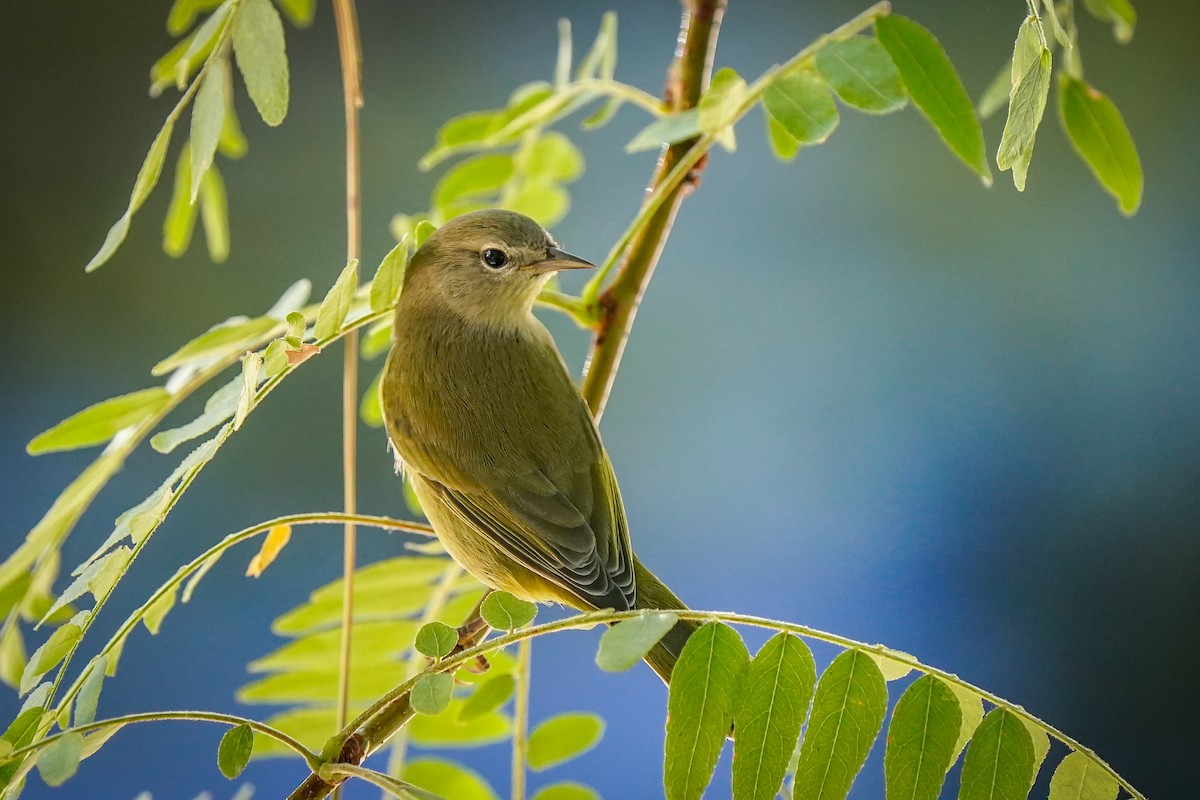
499 444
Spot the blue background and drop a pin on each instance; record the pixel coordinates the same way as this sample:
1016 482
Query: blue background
863 394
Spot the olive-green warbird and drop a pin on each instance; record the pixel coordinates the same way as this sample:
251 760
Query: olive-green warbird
501 448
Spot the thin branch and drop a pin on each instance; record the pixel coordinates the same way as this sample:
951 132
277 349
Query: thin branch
350 53
618 306
520 738
310 758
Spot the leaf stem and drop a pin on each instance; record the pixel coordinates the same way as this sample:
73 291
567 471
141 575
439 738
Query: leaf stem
350 55
310 758
393 708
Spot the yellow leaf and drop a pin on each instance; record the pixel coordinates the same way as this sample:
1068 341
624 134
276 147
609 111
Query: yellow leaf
277 539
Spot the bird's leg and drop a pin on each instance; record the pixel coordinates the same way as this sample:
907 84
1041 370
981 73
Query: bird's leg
471 633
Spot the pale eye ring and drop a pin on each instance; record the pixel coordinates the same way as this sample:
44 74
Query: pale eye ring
494 257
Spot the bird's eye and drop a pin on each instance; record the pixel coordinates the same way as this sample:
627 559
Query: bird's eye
494 258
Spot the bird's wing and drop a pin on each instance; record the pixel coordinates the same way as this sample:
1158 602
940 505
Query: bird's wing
571 532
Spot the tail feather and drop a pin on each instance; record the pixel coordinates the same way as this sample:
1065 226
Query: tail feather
653 594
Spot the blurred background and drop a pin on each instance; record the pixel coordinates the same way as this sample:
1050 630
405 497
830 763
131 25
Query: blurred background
863 394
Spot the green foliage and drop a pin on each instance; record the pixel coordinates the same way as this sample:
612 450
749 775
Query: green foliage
935 88
626 644
234 751
999 764
1098 133
768 714
504 612
921 740
405 607
704 685
1027 101
562 738
98 423
847 713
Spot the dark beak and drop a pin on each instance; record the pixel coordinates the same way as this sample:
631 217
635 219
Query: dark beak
558 259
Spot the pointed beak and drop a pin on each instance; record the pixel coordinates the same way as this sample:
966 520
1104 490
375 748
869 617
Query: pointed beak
558 259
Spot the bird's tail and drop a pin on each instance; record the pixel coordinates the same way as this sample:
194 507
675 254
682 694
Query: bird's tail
653 594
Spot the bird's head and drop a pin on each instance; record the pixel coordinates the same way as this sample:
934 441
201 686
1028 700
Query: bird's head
487 266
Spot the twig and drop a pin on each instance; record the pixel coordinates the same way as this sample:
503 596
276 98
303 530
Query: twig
520 738
618 305
350 52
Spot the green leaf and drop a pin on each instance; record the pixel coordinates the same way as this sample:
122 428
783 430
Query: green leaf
504 612
12 656
219 407
1119 13
445 730
458 133
373 643
449 779
921 740
995 96
547 203
890 665
436 640
208 117
770 709
385 286
431 693
296 325
563 737
626 643
783 143
98 423
52 651
1079 777
490 695
300 12
475 176
234 751
336 304
259 47
999 760
553 157
970 706
232 142
180 221
847 714
1098 133
89 692
229 337
1027 102
801 102
666 130
863 75
370 410
700 703
720 104
60 760
182 61
214 213
147 178
421 232
567 790
96 739
377 341
183 14
274 362
251 364
935 88
604 114
158 611
318 686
